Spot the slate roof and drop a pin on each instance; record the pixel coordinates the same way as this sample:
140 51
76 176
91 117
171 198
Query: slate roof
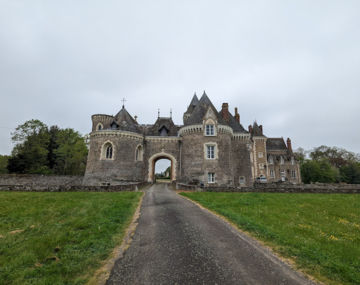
256 131
200 110
275 144
161 122
193 104
124 121
236 126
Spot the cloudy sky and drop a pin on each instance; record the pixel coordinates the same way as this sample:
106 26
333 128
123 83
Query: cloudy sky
294 66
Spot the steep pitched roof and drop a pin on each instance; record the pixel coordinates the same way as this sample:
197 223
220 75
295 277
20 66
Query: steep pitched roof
124 121
275 144
161 122
200 110
235 125
256 131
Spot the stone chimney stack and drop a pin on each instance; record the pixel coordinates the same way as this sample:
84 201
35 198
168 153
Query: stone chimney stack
237 116
250 129
261 129
225 111
288 143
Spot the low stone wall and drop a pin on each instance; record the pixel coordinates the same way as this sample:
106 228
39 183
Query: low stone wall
280 188
59 183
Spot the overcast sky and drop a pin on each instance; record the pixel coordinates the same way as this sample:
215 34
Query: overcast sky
294 66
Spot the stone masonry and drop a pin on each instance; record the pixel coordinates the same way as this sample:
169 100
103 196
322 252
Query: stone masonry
211 148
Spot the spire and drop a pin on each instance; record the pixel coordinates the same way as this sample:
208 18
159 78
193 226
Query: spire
170 113
158 113
194 100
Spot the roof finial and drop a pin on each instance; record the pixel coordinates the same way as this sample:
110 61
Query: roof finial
170 113
204 93
123 100
158 113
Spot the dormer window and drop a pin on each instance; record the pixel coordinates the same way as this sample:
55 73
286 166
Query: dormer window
209 130
164 132
271 160
99 127
292 160
281 160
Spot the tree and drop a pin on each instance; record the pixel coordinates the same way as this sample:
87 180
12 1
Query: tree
338 157
42 150
71 153
31 150
3 164
350 173
319 171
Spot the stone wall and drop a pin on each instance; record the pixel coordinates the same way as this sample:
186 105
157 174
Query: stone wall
54 183
280 188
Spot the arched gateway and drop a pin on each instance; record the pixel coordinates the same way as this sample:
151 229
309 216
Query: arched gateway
152 161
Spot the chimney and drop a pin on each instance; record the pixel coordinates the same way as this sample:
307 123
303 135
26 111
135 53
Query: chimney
261 129
288 143
225 111
237 116
250 129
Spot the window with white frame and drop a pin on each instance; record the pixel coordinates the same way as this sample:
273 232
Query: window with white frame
281 160
210 152
139 153
293 173
211 177
272 173
282 173
271 160
260 154
242 180
209 130
292 160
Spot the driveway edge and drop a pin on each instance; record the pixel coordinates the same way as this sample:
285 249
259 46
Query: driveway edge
261 246
103 273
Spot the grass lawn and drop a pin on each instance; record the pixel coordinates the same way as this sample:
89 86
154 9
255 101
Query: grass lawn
60 238
320 232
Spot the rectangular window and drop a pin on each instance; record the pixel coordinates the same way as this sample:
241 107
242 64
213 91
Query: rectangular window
242 180
272 173
261 165
209 130
210 152
260 154
282 173
293 173
211 177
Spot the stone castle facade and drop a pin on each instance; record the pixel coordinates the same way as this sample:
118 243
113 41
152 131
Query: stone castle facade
210 148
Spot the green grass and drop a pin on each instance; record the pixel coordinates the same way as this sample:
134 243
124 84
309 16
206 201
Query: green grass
320 232
65 235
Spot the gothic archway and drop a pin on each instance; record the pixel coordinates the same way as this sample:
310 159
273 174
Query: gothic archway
152 161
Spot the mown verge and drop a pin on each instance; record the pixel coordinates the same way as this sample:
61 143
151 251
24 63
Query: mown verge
320 232
60 238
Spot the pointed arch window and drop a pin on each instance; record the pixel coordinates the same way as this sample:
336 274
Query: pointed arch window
99 127
107 151
139 153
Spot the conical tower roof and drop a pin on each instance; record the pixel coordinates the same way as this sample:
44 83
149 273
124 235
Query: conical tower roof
124 121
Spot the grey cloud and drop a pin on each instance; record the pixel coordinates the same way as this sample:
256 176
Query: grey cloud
293 66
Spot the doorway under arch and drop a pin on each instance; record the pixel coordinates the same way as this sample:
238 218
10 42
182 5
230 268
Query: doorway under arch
152 162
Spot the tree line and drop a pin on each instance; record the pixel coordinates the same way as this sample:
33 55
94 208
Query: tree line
40 149
329 165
